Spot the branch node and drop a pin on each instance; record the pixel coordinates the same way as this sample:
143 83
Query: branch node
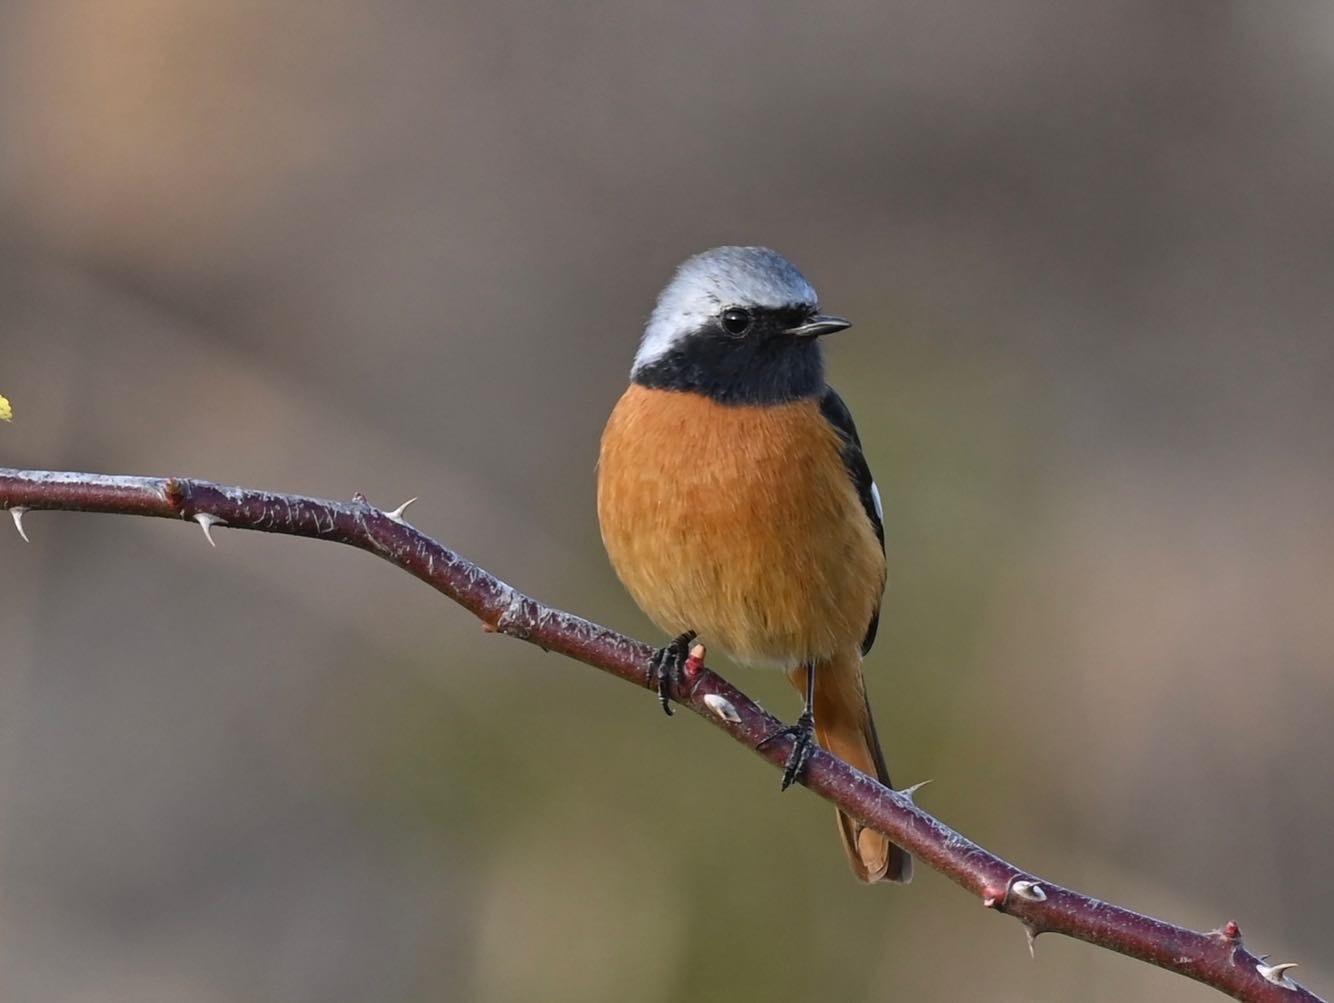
206 522
1030 890
17 512
514 620
1025 888
722 707
695 663
1277 974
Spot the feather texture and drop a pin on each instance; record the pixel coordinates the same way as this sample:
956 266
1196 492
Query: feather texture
740 522
751 525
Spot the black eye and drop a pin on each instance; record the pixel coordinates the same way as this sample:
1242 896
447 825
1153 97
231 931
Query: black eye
735 320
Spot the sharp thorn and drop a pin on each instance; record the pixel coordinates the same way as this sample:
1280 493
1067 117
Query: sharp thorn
17 512
1032 941
910 792
1277 974
206 522
397 514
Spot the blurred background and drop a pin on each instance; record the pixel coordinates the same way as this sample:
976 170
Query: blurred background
406 249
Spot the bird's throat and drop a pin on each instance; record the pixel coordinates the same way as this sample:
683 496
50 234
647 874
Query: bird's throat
769 371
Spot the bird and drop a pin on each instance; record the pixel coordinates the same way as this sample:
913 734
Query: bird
736 505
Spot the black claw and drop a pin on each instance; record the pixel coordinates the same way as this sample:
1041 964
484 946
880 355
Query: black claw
665 667
803 735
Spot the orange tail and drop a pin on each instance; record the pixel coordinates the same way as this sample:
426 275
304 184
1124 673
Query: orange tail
843 726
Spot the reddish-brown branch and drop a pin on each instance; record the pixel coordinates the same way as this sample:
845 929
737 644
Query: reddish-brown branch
1217 958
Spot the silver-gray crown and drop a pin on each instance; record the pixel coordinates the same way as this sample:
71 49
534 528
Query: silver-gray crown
709 282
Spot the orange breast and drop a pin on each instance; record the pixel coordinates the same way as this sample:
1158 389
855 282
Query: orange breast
740 523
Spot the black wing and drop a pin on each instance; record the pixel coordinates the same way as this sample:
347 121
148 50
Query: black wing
837 414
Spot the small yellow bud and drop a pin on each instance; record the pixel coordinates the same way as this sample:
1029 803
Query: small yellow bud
6 412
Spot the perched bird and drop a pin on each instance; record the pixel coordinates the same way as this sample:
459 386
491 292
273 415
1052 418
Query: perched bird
735 503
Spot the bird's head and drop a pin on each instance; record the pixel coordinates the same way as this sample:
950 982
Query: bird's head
739 325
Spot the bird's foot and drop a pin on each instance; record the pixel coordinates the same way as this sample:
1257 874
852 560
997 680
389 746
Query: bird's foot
664 668
803 735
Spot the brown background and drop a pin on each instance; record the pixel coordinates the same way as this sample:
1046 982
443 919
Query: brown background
407 248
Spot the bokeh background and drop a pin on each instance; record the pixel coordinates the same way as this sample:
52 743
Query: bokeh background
406 249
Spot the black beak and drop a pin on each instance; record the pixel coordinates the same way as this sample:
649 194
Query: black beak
820 324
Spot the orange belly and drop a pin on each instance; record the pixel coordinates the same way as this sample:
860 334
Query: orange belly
740 523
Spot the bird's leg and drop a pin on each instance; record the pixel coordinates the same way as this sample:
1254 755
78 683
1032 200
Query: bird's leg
802 732
665 667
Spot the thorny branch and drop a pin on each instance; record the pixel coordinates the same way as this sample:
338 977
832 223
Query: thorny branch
1216 958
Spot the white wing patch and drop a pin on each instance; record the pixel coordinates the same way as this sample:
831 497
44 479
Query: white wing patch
875 497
